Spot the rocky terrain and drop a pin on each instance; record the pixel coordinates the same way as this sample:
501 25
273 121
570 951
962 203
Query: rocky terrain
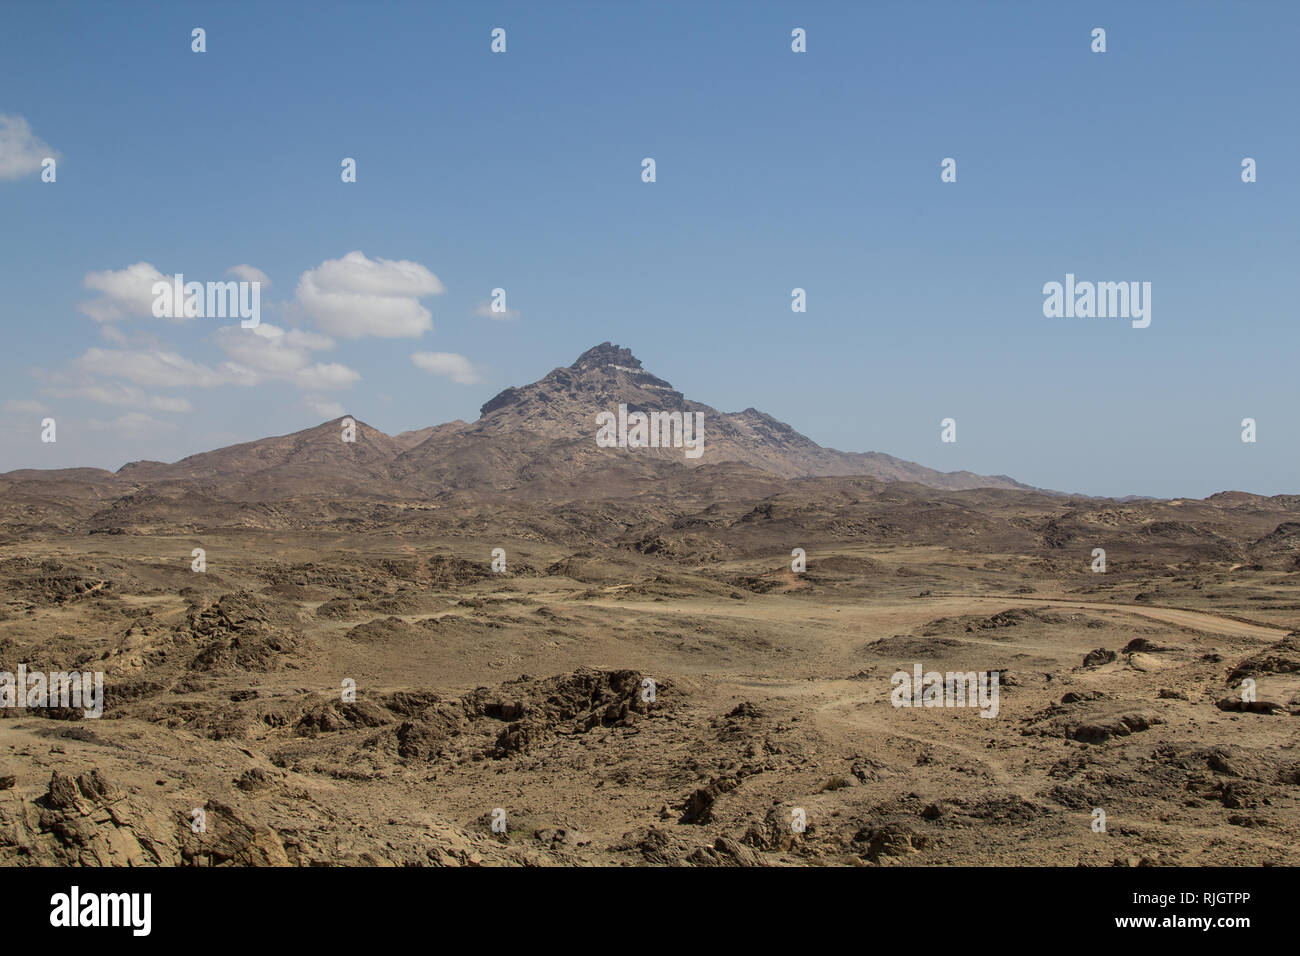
648 675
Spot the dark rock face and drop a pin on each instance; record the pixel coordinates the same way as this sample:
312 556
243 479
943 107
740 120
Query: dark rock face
1099 731
606 354
501 400
1098 657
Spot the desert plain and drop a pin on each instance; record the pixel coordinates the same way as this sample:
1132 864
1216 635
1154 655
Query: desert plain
643 673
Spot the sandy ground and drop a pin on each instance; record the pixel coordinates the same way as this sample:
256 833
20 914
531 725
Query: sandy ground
771 739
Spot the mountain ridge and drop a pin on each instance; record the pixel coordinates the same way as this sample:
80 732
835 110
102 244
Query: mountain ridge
540 432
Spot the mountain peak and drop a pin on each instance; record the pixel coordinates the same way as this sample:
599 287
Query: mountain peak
602 375
606 354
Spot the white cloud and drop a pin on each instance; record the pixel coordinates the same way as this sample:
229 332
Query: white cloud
157 368
266 353
133 424
323 407
115 393
21 150
124 293
25 407
456 367
355 297
270 352
128 293
247 273
484 310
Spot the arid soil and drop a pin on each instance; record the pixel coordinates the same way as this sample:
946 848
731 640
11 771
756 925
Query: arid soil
522 691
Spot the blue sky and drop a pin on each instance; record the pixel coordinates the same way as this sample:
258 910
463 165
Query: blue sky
775 170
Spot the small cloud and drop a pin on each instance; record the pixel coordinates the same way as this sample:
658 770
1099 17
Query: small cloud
115 393
133 424
354 297
323 407
21 150
270 352
123 293
265 353
247 273
25 406
484 310
455 367
128 293
156 368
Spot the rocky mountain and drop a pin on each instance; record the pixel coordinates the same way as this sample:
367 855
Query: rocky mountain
561 411
537 440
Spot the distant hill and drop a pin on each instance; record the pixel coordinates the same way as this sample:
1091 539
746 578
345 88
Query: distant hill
561 411
537 441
